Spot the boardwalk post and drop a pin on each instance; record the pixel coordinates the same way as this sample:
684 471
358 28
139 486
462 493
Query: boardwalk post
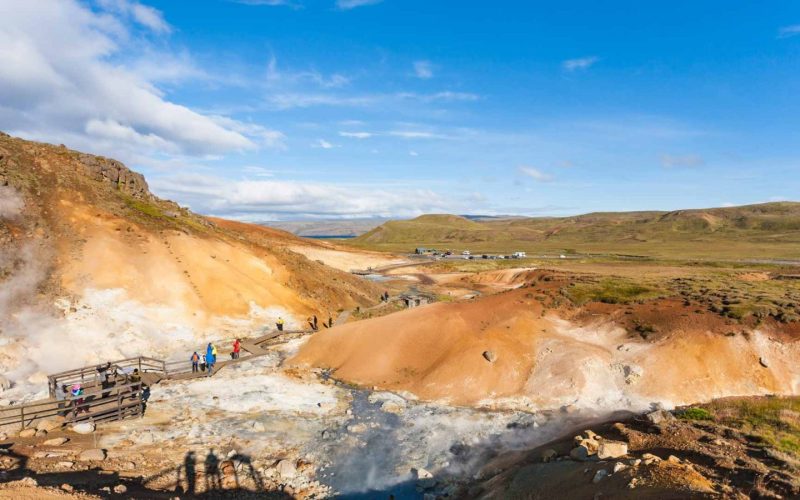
22 416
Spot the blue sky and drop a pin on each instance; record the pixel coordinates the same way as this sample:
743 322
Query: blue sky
270 109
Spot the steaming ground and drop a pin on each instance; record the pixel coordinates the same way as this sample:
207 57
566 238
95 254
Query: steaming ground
353 440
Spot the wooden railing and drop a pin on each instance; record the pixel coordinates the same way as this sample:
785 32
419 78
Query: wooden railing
98 404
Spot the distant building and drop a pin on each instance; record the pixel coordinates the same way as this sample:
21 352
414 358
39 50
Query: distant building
416 299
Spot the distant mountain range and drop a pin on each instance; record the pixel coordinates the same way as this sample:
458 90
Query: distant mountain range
770 230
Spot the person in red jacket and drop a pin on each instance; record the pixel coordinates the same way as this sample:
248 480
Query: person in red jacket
237 346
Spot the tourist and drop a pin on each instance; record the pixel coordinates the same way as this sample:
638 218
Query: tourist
279 324
237 347
210 358
314 325
195 362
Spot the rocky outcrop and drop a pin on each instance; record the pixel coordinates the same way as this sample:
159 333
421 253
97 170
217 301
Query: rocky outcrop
115 173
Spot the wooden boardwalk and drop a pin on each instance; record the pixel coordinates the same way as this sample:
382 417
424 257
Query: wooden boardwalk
122 396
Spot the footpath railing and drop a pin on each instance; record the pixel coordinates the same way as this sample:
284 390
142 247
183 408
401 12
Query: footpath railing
98 404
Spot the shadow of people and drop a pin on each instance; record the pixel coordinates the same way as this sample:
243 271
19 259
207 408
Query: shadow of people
190 470
213 478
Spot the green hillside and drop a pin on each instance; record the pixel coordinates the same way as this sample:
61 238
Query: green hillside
768 231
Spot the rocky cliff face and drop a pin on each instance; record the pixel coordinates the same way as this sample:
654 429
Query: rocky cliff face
116 174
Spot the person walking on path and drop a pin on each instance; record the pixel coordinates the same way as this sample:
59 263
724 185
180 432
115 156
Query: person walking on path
237 347
279 324
314 325
330 320
210 358
195 362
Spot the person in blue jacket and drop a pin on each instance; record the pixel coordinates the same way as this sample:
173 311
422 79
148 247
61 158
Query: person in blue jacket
210 358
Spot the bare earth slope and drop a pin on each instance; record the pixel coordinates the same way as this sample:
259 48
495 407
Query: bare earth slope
93 266
548 358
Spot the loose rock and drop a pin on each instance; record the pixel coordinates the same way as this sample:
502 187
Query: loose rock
612 449
490 356
55 441
599 476
286 469
95 455
83 428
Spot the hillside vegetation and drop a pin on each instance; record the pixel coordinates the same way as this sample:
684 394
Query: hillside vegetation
764 231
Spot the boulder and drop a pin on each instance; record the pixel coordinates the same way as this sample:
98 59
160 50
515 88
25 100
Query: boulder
120 489
549 455
83 428
286 469
48 424
619 466
579 453
55 441
421 473
27 433
612 449
92 455
592 445
659 416
490 356
599 476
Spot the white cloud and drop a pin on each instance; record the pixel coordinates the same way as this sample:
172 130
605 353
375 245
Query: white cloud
580 63
423 69
276 200
691 160
413 153
277 77
323 144
535 174
352 4
356 135
144 15
788 31
290 100
64 79
271 3
415 134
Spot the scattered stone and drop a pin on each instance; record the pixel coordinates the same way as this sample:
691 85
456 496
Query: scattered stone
591 435
490 356
633 483
634 462
579 453
599 476
3 436
612 449
227 468
120 489
619 466
27 433
259 427
93 455
650 459
659 416
763 362
83 428
48 424
286 469
356 428
421 473
67 487
65 464
673 459
592 445
549 455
